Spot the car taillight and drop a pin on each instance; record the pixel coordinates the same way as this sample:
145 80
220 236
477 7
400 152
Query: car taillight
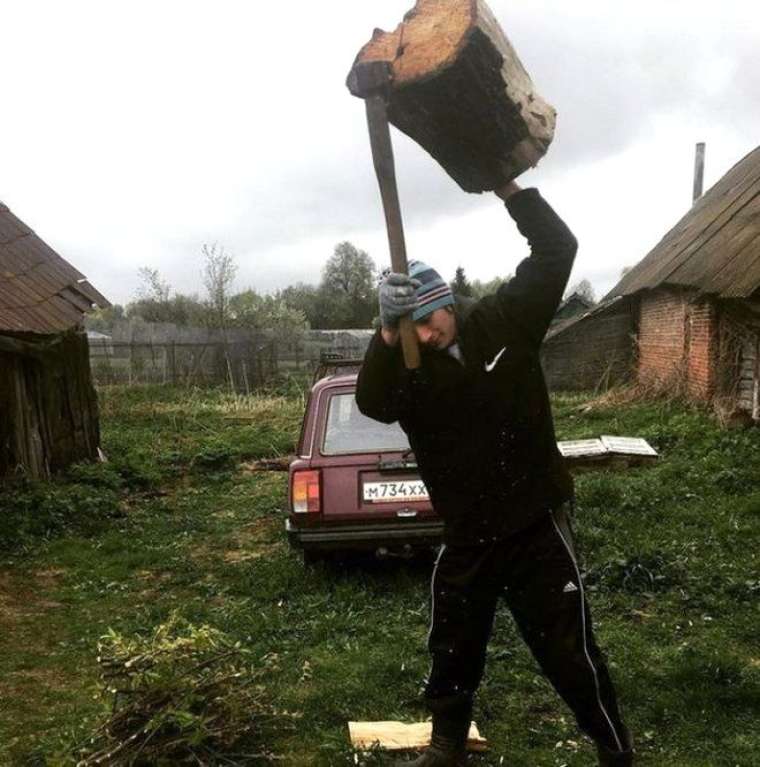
306 492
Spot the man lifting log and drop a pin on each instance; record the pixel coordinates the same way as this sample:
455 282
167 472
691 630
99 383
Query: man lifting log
472 399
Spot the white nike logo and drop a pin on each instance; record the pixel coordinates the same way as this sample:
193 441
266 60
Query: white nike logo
491 365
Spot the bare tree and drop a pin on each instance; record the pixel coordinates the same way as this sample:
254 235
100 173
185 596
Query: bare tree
219 272
153 287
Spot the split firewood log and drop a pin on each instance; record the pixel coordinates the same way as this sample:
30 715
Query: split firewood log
460 91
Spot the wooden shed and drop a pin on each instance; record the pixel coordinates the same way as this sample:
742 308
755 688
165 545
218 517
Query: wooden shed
48 405
696 297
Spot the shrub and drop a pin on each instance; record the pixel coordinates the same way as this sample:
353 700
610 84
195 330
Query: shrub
33 510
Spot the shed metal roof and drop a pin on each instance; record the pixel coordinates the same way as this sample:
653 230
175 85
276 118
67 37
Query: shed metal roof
40 292
715 247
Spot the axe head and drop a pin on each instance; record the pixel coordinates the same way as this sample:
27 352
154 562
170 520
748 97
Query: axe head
370 78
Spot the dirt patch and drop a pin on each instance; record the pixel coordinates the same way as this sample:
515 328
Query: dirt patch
154 583
236 556
17 599
22 598
281 463
50 575
46 678
258 531
253 540
151 575
24 601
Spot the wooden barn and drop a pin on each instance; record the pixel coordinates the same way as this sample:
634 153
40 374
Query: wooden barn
48 405
693 304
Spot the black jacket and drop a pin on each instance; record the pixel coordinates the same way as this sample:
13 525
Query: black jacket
483 433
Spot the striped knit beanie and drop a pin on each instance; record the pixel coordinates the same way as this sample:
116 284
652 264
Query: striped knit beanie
433 293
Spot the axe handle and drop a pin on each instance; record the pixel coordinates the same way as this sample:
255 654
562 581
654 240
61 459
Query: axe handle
382 157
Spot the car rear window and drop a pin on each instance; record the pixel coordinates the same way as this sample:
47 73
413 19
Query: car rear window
348 431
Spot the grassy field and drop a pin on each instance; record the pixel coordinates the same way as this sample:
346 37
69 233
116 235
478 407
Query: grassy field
177 524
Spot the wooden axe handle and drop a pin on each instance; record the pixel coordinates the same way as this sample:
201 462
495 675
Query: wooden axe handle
370 81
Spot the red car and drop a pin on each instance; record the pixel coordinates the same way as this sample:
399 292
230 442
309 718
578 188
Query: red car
354 484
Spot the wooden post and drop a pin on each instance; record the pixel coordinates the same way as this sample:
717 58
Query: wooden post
109 359
229 370
245 378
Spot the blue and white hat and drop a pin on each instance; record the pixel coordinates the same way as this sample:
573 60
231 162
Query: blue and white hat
433 293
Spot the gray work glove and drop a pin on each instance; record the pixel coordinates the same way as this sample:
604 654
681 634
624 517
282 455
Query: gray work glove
397 298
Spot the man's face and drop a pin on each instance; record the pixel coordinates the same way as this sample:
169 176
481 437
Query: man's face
438 330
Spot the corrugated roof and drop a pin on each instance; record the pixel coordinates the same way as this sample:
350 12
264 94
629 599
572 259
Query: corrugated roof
40 292
715 247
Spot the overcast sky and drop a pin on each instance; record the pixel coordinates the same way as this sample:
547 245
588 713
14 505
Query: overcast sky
134 132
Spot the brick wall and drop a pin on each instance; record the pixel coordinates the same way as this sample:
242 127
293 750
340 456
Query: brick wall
702 348
662 336
677 341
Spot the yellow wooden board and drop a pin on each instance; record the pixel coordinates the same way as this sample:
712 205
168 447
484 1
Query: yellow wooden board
397 736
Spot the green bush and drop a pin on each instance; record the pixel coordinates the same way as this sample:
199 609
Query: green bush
34 510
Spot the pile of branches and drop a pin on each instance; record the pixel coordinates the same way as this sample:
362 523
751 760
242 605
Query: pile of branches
184 694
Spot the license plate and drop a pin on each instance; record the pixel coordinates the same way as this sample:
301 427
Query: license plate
399 491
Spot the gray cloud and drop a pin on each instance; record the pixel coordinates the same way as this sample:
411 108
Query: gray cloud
228 129
611 76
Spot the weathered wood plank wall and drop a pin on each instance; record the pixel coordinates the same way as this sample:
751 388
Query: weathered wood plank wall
48 408
593 354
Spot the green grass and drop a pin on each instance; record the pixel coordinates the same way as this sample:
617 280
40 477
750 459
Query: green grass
175 522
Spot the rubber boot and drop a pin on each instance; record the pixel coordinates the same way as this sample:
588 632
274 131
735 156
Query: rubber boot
442 752
608 758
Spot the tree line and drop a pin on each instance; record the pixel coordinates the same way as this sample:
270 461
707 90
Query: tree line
345 297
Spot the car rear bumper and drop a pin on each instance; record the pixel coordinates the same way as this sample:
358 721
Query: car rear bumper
413 533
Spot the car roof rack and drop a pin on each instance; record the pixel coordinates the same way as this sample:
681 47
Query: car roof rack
336 363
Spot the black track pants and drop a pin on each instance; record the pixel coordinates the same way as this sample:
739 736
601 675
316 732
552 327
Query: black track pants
537 573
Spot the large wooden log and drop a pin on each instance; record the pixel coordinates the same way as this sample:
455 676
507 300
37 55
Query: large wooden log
460 91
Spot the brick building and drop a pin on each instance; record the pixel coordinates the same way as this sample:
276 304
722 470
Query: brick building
696 297
687 316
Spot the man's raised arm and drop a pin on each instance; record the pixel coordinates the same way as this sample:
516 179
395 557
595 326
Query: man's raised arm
532 296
